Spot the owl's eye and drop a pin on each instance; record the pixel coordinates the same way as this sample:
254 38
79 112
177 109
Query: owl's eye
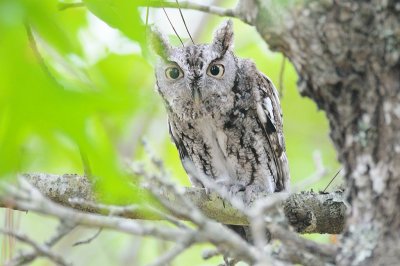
173 73
216 70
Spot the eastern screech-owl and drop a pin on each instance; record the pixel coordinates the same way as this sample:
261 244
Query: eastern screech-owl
224 114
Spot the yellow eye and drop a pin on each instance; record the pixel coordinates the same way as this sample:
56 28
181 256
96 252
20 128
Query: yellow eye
216 70
173 73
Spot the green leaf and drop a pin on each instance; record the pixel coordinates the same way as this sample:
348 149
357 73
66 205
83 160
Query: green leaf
54 26
120 14
46 118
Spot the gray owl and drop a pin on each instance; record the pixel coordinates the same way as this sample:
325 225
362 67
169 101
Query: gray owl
224 115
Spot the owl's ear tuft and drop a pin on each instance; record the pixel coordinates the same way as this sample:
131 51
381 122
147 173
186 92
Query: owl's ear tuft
223 37
159 43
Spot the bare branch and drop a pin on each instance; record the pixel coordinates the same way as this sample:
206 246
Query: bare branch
89 240
256 213
40 250
180 246
29 198
320 172
24 258
181 202
209 253
307 212
281 74
292 240
219 11
209 230
310 212
64 228
257 220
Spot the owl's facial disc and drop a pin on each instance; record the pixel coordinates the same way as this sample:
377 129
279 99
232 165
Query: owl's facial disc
214 70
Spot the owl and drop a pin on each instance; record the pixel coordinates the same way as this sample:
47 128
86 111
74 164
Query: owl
224 115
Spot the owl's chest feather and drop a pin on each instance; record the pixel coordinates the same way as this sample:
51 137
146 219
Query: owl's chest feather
231 149
215 139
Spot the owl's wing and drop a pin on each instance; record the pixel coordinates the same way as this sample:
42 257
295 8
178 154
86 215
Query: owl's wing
183 155
270 115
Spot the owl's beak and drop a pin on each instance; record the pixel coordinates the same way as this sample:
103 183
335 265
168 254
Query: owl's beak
196 95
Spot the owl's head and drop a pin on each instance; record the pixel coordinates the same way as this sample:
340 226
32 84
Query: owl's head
197 80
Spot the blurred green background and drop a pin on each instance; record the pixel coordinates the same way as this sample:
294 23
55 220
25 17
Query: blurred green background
78 83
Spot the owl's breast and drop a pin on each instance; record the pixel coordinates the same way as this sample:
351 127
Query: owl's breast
231 149
215 142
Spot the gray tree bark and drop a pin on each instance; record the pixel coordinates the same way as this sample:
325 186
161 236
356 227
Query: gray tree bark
347 54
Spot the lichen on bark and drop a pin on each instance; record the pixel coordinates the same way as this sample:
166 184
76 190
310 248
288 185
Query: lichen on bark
347 55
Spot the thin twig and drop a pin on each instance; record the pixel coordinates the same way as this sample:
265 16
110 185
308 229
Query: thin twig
219 11
172 25
110 210
330 182
172 219
209 230
64 228
181 246
320 172
257 219
281 74
210 203
124 211
209 253
184 22
229 243
289 237
22 259
211 185
89 240
187 208
40 250
223 12
28 197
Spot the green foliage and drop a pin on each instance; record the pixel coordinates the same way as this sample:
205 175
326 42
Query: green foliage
50 105
119 14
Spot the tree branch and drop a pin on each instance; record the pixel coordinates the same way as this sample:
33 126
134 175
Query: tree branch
307 212
219 11
28 196
39 250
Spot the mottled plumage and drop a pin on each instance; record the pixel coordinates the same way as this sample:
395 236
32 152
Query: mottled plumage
224 115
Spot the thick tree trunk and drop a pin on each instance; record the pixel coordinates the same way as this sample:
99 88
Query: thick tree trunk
347 56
